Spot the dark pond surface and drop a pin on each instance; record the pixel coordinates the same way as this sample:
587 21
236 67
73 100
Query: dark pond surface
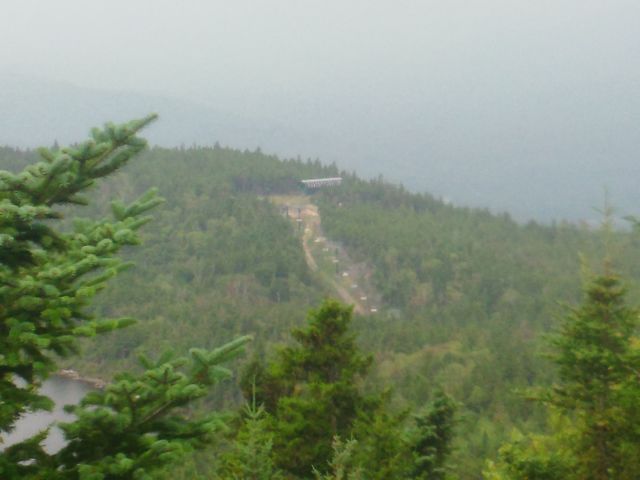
63 391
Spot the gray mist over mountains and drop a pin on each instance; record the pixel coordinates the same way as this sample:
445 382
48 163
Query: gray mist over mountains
520 106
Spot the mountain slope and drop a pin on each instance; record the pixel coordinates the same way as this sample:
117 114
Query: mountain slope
469 292
529 165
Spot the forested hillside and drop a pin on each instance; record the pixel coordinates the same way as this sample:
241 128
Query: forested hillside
217 260
466 294
470 295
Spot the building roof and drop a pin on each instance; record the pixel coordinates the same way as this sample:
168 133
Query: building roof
321 182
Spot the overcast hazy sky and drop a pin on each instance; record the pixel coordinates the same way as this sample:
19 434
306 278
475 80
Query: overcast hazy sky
506 84
259 54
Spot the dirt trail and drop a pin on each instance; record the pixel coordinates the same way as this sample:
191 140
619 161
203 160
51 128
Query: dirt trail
351 281
349 299
311 262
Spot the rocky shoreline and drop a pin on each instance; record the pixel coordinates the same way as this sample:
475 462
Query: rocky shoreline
74 375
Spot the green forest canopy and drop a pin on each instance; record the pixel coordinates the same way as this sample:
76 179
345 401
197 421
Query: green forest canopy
466 293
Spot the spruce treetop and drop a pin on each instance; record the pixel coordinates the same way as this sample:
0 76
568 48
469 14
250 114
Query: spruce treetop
48 278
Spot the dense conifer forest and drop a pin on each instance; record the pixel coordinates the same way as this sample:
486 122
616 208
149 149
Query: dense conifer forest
450 377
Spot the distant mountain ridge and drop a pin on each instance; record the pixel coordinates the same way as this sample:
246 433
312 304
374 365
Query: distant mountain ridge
551 168
38 112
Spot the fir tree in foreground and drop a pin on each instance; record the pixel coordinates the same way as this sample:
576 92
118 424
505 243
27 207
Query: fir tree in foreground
250 455
431 439
598 358
48 278
314 394
313 390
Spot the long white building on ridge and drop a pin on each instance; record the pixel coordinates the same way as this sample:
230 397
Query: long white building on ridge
322 182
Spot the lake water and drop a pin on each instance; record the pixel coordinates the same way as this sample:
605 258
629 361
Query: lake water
63 391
